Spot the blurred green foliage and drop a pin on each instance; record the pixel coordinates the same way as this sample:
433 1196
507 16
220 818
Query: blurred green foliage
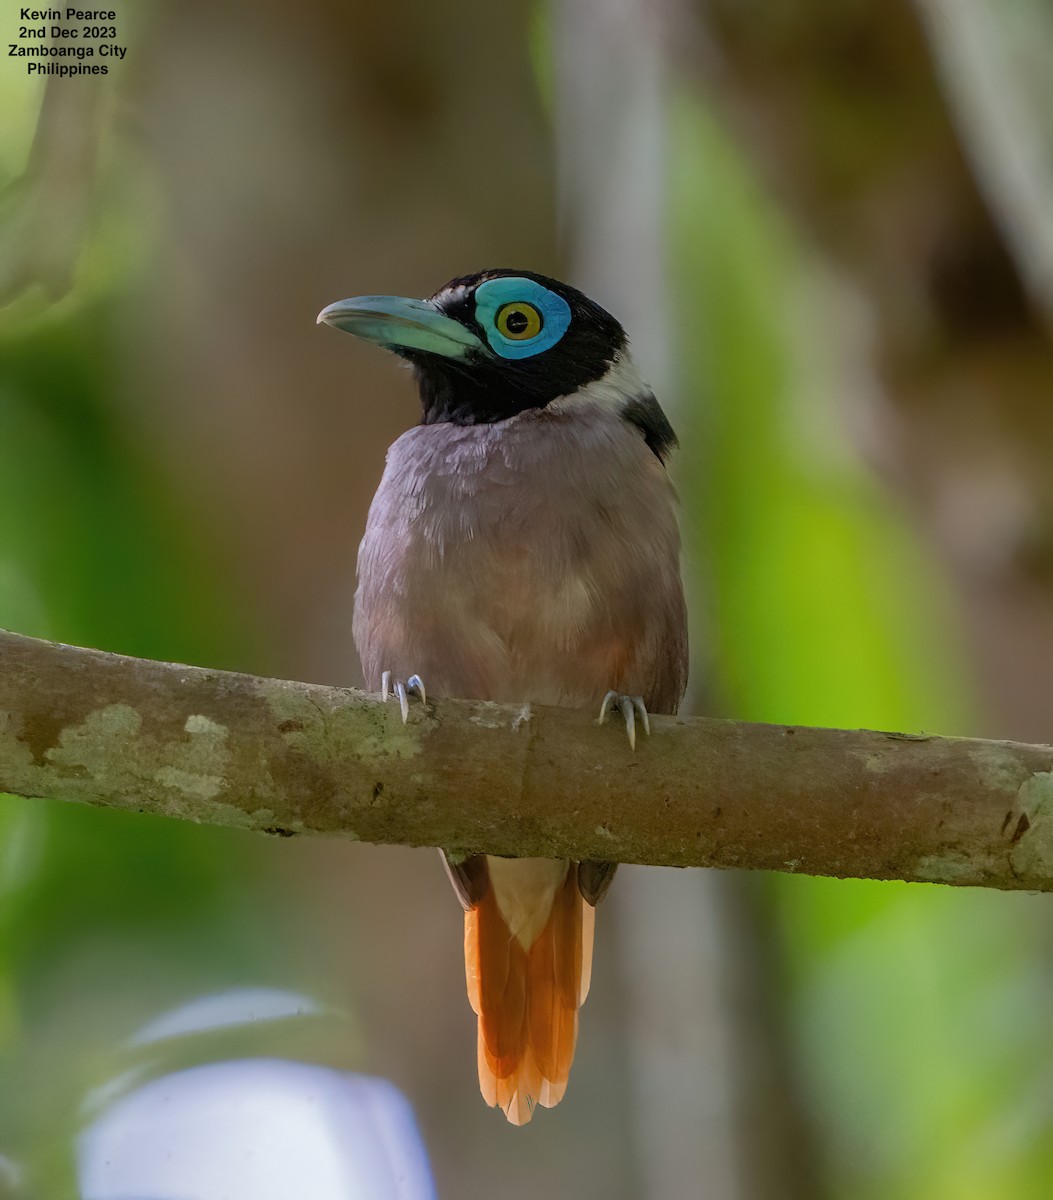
86 525
920 1011
20 104
94 551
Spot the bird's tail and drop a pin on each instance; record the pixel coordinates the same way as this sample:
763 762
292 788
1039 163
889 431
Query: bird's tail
527 998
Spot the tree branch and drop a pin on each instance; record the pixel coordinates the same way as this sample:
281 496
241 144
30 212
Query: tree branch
282 757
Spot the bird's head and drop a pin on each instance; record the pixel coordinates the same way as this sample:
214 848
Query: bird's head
489 346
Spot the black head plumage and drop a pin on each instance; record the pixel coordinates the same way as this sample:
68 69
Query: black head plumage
486 385
489 346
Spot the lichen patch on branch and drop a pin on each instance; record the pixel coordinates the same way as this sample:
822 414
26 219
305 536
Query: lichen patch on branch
107 738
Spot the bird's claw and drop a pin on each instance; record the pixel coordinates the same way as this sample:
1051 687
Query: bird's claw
630 707
402 691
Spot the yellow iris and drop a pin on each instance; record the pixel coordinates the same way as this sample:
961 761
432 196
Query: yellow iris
519 321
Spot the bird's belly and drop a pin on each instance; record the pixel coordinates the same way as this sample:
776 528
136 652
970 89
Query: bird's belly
526 584
504 622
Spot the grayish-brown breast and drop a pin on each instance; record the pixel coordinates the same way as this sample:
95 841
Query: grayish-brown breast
532 559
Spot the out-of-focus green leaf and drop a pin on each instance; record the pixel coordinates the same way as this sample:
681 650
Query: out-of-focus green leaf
920 1010
105 917
84 520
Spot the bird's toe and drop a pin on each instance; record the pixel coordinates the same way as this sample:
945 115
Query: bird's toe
402 689
632 709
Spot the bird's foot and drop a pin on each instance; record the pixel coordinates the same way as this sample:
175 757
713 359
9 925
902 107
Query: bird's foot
402 691
630 707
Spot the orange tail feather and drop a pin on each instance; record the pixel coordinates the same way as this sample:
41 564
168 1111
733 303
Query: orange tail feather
527 1000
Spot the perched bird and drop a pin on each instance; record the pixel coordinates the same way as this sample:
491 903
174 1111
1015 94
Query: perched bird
522 547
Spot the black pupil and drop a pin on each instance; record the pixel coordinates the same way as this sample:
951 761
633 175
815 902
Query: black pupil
516 321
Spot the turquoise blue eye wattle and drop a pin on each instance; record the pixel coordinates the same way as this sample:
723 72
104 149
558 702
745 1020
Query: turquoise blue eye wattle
493 295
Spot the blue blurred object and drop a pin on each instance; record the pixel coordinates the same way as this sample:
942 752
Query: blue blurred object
236 1006
256 1129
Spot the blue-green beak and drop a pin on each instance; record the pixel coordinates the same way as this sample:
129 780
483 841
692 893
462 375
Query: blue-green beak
400 324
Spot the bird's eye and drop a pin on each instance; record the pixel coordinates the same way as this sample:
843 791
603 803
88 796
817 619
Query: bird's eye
519 321
516 327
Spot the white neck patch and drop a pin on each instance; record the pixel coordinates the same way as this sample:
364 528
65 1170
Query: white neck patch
620 384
